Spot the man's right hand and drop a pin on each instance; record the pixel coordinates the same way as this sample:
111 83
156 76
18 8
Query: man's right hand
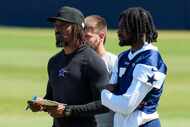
36 105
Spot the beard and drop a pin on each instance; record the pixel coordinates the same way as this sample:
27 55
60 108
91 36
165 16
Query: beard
60 41
125 42
122 43
93 46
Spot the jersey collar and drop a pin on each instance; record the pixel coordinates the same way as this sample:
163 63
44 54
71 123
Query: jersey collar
146 46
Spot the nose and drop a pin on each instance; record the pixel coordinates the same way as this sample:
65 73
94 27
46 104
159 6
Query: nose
86 35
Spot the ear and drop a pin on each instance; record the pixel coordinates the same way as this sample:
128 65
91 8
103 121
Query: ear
102 35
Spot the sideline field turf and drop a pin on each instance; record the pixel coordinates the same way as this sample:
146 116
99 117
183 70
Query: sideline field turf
24 54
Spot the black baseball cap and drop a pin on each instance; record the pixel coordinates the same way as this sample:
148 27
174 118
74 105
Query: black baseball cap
69 14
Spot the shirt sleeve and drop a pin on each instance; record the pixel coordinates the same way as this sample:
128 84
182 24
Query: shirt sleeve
48 94
97 74
128 102
91 108
149 75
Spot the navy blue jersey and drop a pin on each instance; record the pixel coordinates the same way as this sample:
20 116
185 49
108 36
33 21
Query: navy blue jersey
150 58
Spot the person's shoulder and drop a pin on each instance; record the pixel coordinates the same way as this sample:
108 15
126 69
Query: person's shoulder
89 49
151 54
150 50
55 57
89 52
124 54
88 55
152 58
111 56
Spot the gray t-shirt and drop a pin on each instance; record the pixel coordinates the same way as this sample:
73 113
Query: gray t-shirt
106 119
109 59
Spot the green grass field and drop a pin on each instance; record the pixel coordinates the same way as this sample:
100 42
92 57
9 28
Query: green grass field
24 55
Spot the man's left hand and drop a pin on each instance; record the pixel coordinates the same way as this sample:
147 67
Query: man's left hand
110 87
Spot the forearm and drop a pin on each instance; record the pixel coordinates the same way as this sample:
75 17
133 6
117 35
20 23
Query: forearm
116 103
92 108
127 102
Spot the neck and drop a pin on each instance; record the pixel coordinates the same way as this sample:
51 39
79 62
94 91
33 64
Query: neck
101 50
136 46
68 50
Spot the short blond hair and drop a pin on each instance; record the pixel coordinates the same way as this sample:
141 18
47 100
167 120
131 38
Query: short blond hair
100 24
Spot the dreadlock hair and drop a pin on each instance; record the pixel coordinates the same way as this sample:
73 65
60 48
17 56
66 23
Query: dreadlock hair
78 35
137 22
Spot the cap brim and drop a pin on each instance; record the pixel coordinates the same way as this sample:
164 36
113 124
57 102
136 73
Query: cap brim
53 19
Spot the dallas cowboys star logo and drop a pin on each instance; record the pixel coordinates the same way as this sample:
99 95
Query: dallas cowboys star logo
151 79
62 72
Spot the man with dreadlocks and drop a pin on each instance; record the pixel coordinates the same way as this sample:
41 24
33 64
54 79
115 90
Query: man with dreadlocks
139 73
76 75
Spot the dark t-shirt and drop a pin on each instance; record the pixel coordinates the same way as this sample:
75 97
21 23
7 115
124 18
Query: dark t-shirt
76 80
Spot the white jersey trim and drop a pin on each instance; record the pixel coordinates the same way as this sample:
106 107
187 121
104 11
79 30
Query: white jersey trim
146 46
